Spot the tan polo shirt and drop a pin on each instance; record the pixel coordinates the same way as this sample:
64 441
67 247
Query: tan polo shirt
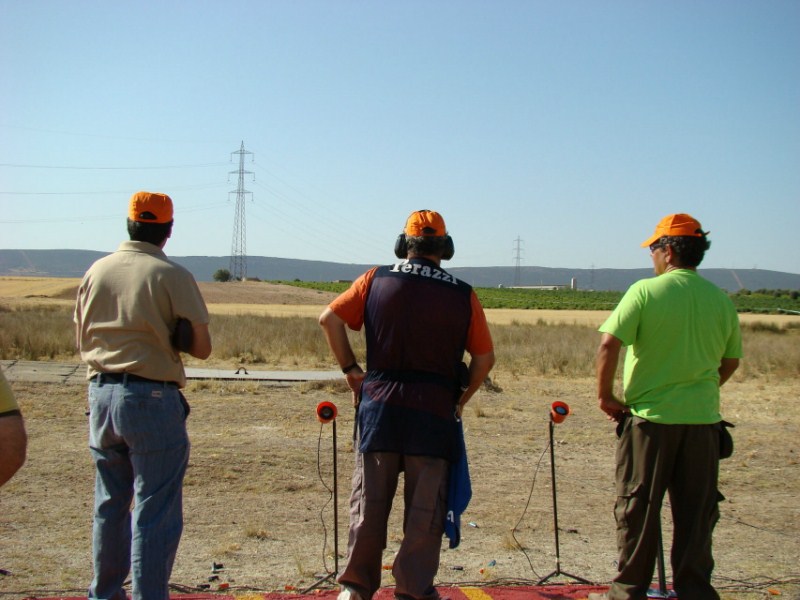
128 304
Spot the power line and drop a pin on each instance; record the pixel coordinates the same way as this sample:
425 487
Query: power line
92 218
78 168
313 213
199 186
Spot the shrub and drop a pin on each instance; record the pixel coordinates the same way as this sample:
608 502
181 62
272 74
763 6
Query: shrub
222 275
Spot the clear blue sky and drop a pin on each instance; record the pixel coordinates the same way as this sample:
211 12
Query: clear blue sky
572 126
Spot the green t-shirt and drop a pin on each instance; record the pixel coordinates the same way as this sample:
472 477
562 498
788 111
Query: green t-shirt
678 327
7 401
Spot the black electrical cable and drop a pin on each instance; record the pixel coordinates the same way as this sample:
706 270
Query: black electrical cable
324 506
525 510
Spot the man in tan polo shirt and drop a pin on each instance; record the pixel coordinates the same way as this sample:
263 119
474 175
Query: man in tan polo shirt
128 308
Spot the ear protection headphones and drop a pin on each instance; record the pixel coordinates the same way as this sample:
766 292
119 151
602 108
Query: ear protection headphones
401 247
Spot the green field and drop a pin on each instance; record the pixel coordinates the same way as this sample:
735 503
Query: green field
759 301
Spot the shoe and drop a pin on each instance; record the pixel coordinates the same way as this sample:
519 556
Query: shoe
433 595
349 594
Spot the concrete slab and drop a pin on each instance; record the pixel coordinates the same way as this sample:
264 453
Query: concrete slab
75 373
44 372
242 374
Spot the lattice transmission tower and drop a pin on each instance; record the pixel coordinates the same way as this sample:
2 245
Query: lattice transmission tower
517 260
238 267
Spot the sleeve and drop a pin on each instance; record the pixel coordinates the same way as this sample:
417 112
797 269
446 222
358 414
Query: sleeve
479 338
7 402
733 348
349 306
78 312
624 320
188 301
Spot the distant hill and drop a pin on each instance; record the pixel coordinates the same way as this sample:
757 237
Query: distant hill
73 263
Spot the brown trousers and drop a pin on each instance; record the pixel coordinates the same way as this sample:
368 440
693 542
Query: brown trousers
425 497
652 460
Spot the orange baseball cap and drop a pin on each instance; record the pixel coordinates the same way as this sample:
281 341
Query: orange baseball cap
676 225
150 207
425 223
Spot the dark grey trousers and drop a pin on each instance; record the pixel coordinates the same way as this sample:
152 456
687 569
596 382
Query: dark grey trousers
683 461
425 497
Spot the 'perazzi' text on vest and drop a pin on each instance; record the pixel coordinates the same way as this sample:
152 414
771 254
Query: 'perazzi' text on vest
423 271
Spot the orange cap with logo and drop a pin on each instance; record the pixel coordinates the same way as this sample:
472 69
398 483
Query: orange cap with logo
679 224
150 207
425 223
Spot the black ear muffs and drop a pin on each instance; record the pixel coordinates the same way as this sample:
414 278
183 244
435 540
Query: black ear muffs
449 249
401 247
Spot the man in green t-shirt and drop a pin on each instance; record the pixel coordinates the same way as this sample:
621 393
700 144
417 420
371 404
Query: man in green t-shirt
683 342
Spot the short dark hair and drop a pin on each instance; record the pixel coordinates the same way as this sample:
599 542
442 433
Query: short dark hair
153 233
689 249
428 245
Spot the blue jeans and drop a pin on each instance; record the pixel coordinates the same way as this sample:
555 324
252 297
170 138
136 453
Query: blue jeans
139 443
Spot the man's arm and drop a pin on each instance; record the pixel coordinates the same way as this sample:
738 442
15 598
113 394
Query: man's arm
479 367
13 445
335 331
606 369
727 368
201 341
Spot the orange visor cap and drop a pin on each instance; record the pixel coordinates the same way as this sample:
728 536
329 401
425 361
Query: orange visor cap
675 225
150 207
425 223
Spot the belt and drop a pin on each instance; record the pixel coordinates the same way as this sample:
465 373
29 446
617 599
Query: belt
127 377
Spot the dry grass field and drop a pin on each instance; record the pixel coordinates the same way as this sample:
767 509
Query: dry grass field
258 491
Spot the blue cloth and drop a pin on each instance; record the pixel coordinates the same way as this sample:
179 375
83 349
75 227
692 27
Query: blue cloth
459 492
139 443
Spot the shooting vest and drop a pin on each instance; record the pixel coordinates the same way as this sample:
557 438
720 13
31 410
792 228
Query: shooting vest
416 321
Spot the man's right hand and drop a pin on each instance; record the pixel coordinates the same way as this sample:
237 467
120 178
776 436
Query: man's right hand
355 379
613 408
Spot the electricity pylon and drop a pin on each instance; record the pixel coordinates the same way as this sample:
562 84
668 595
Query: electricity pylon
517 260
239 244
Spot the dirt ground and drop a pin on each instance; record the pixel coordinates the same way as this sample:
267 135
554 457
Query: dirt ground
258 493
49 289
